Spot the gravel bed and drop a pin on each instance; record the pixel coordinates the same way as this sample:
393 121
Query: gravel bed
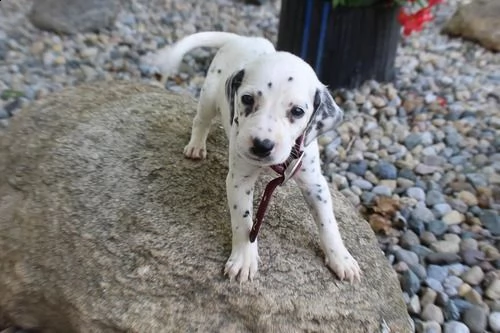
419 157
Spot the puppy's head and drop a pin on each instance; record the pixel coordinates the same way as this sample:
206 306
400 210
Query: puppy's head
273 101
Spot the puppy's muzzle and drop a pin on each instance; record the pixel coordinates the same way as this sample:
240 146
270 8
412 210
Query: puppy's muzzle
262 148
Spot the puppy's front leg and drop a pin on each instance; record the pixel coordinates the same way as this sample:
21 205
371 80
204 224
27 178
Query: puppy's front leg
317 195
240 183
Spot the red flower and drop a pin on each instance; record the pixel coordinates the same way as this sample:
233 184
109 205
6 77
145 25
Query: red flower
414 22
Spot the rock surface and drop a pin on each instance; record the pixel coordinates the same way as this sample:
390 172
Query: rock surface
479 21
73 16
105 227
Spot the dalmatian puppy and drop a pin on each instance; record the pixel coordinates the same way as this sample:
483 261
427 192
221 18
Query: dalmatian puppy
267 99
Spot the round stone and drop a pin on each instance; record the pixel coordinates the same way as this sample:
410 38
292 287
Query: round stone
437 227
475 319
385 170
453 217
437 272
445 246
416 193
473 276
432 312
493 290
408 239
455 327
467 197
494 321
410 282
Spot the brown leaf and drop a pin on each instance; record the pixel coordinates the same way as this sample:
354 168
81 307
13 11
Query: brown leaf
386 206
380 224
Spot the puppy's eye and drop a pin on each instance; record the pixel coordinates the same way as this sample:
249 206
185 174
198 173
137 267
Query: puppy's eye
297 112
247 100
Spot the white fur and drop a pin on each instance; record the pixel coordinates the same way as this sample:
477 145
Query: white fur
277 81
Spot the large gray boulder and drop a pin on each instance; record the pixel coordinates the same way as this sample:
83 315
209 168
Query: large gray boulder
105 227
479 21
73 16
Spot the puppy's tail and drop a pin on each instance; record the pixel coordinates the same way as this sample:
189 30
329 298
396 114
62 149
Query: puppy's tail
168 59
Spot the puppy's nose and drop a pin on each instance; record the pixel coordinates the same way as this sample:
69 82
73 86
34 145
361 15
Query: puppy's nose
262 148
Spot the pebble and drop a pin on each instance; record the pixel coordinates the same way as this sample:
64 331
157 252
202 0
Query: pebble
410 282
494 321
432 312
453 217
434 284
436 272
472 257
382 190
422 214
416 193
428 297
467 197
455 327
491 220
386 170
440 209
437 227
451 311
414 305
428 327
442 258
409 239
445 246
493 290
475 319
410 258
473 276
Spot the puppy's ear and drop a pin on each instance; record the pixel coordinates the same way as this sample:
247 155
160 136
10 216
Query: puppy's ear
326 115
233 83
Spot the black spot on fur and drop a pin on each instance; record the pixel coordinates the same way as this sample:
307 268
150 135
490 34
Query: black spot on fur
235 206
246 213
319 197
322 224
236 121
235 186
290 78
233 83
270 84
308 192
248 192
319 125
248 110
259 93
219 71
270 130
303 169
324 201
317 99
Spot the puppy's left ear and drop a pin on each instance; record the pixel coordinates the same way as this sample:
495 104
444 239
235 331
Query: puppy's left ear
326 115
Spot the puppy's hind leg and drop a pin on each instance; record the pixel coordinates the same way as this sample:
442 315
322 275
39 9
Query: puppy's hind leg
206 112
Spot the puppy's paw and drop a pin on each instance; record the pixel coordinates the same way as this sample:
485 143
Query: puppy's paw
343 264
243 262
195 152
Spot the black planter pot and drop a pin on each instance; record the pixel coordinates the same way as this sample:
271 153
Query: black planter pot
345 45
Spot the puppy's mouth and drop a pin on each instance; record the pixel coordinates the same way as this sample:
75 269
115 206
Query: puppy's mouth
260 161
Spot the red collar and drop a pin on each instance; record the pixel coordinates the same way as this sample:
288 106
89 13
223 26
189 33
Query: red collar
285 171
